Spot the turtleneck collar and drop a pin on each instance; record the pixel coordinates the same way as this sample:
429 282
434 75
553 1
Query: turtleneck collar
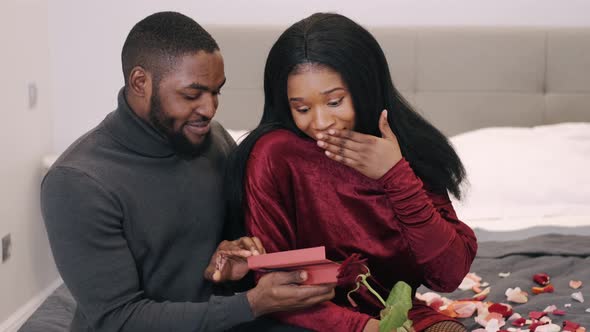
135 133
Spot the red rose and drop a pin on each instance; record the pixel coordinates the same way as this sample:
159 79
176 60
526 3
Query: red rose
350 269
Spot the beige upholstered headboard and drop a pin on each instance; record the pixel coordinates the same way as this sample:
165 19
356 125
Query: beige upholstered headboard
459 78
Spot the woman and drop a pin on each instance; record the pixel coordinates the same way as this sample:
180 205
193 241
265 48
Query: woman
341 160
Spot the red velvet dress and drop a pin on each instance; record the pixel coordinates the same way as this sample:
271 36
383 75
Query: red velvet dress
296 197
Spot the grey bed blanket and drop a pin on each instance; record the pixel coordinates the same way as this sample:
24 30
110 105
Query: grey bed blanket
562 257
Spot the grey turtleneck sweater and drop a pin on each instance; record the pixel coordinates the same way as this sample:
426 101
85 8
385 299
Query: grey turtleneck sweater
132 228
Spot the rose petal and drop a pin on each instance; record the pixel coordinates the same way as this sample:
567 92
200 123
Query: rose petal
575 284
482 295
519 322
503 309
567 305
578 297
516 295
550 308
548 328
464 309
558 312
570 326
588 310
547 289
534 326
537 314
541 278
514 316
504 274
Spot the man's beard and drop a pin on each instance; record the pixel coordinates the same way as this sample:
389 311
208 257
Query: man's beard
165 125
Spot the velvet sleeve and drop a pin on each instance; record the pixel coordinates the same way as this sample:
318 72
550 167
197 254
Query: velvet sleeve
269 216
442 245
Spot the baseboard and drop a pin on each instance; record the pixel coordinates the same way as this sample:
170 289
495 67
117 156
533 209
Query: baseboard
16 320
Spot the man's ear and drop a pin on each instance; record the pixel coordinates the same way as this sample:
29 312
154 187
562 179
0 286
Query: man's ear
140 83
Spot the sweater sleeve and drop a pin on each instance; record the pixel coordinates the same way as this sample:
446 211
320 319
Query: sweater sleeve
442 245
268 217
84 225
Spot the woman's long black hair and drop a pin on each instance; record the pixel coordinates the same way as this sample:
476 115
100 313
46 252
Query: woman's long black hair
336 42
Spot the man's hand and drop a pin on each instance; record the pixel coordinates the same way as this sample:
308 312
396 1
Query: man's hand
280 291
229 260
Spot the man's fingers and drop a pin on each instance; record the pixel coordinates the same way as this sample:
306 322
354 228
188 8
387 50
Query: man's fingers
249 243
258 243
287 278
305 295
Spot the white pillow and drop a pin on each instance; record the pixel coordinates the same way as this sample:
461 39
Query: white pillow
525 172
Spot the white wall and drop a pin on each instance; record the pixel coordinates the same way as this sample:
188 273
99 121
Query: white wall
86 37
26 135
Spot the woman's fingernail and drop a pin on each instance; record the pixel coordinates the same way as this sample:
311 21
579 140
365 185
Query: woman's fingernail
332 131
322 144
320 136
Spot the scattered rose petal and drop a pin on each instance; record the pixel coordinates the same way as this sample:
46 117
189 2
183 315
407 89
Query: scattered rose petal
578 297
550 308
503 309
548 328
514 316
476 289
575 284
545 319
504 274
463 309
570 326
428 297
469 281
482 295
534 326
547 289
567 305
581 329
516 295
485 284
558 312
588 310
537 314
494 325
519 322
541 278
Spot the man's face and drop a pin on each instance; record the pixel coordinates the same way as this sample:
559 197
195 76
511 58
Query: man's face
186 99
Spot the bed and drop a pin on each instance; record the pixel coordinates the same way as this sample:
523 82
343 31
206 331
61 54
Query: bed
515 102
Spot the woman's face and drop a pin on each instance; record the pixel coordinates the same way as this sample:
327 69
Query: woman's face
319 100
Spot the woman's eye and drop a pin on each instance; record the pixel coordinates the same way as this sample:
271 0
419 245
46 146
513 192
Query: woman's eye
302 110
335 103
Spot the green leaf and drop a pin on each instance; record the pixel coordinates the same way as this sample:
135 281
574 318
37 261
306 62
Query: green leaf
395 314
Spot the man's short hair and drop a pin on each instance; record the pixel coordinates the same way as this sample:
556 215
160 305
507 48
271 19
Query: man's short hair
159 40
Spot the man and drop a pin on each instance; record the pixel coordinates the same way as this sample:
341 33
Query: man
134 208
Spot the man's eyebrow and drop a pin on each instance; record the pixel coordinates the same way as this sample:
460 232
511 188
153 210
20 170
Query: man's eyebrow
202 87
